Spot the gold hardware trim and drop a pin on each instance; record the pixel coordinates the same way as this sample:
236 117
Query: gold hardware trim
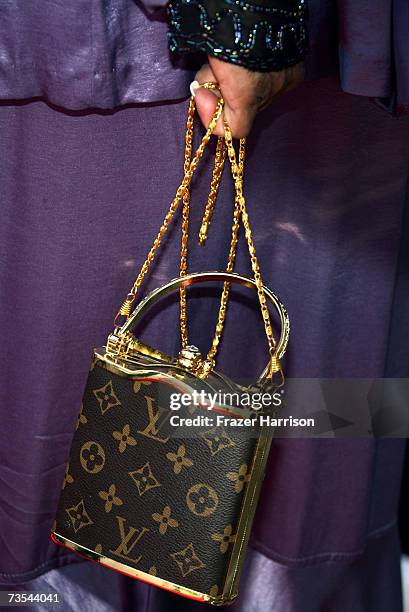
248 510
198 277
138 574
171 375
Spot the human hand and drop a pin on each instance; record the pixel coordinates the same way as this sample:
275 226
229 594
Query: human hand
245 92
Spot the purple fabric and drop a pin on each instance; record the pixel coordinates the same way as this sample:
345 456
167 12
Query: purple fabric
105 53
87 53
366 60
266 586
401 50
374 50
82 197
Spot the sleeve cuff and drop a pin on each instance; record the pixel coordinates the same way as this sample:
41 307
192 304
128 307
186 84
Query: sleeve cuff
256 35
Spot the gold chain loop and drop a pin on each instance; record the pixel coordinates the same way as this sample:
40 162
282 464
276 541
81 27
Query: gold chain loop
225 148
218 166
185 223
275 365
126 307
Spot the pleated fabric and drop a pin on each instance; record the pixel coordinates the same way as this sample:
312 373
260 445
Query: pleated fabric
83 195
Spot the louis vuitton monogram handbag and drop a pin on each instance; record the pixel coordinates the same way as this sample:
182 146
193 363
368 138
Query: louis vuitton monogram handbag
172 505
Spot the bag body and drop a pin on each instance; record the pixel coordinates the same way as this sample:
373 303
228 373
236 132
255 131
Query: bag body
161 492
173 511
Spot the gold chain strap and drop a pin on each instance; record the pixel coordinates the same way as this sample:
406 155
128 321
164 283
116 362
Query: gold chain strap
218 166
126 307
211 355
185 223
219 160
224 147
238 182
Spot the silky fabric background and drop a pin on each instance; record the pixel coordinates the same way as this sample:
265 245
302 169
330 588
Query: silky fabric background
81 203
374 50
105 53
82 197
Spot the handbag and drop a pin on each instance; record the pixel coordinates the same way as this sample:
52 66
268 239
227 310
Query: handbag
161 492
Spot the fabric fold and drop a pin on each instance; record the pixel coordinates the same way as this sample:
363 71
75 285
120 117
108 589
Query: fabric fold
106 53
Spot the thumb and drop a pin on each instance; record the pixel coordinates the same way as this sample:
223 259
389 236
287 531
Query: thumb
206 99
206 102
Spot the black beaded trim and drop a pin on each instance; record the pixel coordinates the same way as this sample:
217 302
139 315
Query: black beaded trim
259 37
241 5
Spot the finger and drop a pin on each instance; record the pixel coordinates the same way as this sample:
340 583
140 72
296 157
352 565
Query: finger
240 120
206 102
206 99
240 117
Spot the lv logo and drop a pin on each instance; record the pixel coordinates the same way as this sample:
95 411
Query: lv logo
129 538
151 430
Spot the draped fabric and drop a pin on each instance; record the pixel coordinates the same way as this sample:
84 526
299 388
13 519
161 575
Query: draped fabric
106 53
266 586
87 53
374 60
82 196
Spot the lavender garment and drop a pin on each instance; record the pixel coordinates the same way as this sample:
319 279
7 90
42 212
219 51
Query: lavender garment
401 51
79 211
104 53
87 53
266 586
374 61
82 197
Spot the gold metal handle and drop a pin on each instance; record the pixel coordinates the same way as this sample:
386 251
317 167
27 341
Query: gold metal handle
200 277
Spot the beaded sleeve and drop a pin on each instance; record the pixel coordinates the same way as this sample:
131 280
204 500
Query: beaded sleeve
262 35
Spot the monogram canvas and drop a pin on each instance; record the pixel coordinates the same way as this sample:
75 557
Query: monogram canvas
137 493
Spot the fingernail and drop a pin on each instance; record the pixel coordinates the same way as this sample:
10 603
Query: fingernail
194 86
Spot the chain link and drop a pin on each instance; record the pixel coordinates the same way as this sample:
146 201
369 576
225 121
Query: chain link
225 148
185 223
238 181
218 166
126 307
211 355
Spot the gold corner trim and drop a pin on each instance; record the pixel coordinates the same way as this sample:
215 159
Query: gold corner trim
138 574
250 500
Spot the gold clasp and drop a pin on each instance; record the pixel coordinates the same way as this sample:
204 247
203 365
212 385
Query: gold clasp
191 359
